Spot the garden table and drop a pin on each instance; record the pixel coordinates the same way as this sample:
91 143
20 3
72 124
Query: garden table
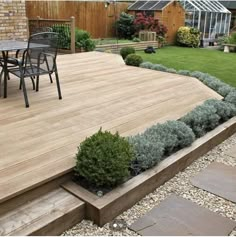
5 47
13 45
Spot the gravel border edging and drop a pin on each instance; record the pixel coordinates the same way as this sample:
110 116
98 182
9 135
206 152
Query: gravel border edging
181 186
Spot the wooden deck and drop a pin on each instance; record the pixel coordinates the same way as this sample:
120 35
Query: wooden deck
39 143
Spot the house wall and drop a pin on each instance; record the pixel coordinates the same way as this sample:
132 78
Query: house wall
92 16
13 21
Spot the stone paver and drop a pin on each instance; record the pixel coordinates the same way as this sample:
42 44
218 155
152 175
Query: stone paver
177 216
219 179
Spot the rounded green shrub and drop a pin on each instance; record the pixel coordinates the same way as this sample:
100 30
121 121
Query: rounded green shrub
133 60
188 36
104 159
83 40
173 135
124 52
147 153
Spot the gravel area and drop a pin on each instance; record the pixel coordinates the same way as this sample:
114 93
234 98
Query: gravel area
181 186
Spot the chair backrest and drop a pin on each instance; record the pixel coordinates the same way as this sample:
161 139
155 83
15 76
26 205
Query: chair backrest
41 29
42 50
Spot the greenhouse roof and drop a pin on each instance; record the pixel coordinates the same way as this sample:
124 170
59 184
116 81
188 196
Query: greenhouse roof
148 5
191 5
204 5
229 4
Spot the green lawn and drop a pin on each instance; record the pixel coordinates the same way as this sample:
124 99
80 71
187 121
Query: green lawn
217 63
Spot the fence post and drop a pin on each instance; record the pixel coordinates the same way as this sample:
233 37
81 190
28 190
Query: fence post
28 28
38 20
72 33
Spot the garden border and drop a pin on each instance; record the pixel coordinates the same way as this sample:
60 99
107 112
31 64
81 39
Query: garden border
104 209
136 45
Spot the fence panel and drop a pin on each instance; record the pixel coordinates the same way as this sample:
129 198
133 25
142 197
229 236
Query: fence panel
95 17
65 28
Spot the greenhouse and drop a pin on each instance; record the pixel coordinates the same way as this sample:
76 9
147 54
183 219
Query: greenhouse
209 16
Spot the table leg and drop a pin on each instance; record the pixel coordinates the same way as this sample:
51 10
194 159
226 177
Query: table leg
5 56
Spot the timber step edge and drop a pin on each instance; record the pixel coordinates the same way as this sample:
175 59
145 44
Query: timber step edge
49 214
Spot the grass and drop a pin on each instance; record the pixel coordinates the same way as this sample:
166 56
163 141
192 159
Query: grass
214 62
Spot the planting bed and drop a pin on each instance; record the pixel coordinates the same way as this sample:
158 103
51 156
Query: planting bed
103 209
136 45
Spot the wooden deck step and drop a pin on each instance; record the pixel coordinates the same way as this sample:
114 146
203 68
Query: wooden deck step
49 214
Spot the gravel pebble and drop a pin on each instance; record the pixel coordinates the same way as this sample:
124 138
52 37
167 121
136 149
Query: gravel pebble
179 185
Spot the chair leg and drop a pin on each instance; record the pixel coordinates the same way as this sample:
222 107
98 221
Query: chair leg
37 83
50 76
58 85
20 86
32 79
1 74
25 92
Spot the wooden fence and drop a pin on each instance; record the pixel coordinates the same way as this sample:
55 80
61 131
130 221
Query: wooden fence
58 25
97 18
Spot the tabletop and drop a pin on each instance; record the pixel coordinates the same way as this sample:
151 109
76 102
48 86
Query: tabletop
14 45
8 45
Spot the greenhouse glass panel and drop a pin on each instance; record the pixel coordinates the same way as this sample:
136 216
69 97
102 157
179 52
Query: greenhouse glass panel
195 19
189 21
213 32
222 30
210 17
206 34
202 22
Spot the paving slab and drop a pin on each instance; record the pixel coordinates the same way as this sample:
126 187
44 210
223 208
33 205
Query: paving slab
176 216
232 152
219 179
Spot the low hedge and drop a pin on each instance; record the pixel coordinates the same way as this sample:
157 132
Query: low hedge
214 83
208 116
159 141
99 157
147 153
173 135
213 112
231 97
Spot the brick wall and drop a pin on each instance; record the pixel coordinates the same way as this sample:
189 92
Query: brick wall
13 21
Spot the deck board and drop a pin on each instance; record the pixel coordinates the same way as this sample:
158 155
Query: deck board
99 90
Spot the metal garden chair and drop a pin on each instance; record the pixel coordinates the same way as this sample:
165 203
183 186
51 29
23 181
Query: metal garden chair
39 59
